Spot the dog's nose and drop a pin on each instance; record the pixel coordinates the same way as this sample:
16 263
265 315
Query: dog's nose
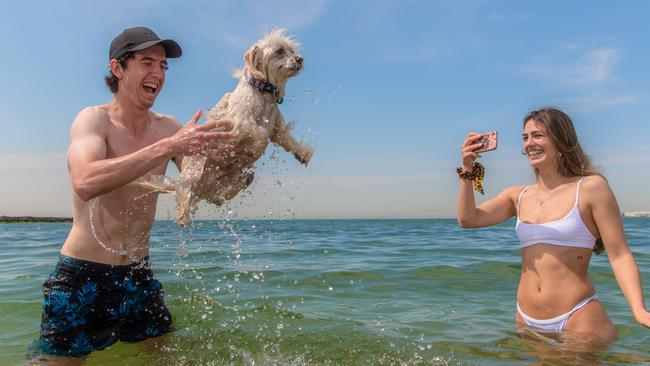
299 60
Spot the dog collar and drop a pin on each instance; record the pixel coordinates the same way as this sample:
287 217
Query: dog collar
265 87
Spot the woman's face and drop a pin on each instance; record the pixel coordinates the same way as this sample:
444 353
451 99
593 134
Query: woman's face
538 146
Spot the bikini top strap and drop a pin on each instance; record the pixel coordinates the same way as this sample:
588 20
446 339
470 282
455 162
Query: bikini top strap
578 191
519 198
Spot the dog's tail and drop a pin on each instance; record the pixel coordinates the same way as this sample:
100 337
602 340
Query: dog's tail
157 183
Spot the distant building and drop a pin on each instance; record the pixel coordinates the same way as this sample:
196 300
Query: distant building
636 214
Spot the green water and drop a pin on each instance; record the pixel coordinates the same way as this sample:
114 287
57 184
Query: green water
326 292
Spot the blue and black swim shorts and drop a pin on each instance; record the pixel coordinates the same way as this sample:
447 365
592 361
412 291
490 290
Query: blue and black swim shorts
89 306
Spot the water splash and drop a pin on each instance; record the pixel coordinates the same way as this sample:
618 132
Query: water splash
127 246
238 272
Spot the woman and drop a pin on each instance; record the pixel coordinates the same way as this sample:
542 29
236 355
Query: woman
560 220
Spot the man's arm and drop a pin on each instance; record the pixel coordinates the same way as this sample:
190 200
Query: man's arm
92 174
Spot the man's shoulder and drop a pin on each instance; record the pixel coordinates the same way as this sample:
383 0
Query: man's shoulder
166 121
95 110
93 113
91 116
162 117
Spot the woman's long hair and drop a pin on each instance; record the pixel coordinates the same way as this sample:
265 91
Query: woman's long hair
571 160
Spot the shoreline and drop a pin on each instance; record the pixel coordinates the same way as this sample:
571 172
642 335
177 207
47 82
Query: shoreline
50 219
636 214
32 219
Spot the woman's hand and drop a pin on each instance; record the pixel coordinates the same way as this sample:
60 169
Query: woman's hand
468 150
643 319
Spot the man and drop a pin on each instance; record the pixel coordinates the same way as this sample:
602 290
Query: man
102 289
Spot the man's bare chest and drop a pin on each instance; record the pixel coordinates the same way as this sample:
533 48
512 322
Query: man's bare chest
121 144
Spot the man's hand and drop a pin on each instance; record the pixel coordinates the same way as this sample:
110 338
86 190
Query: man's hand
203 139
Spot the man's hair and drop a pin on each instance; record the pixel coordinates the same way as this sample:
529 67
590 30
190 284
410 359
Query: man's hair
110 79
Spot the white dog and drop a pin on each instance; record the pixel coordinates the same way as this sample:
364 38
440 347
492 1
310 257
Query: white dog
253 109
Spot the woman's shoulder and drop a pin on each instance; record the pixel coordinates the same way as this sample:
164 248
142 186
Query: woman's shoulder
516 189
594 188
594 182
513 192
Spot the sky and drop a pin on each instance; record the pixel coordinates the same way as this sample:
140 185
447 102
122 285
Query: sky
388 93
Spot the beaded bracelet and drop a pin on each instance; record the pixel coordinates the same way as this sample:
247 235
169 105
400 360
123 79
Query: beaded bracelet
476 176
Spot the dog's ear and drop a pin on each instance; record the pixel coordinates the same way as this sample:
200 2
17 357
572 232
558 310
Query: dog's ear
253 60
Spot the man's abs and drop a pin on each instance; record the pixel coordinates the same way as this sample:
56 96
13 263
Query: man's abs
113 228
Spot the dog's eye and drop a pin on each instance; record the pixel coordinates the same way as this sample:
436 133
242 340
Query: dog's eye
280 51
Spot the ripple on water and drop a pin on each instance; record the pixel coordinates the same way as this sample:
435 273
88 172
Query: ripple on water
380 292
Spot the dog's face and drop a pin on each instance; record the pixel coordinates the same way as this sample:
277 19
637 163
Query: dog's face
274 58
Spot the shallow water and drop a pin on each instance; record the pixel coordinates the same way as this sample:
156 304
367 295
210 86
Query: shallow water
329 292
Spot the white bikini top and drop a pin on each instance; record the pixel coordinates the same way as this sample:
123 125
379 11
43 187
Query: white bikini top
569 231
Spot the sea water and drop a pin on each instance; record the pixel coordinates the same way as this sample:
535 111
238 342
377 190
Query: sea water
326 292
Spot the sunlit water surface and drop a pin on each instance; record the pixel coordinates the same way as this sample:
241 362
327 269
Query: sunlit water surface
326 292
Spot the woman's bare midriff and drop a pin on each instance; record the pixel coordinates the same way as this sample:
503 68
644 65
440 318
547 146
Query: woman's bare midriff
553 280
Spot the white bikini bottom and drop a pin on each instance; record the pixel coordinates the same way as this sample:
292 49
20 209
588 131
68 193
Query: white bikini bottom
556 324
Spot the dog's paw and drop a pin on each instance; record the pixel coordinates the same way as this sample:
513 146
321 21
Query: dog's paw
304 155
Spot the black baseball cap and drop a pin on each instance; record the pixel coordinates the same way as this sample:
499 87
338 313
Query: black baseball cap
140 38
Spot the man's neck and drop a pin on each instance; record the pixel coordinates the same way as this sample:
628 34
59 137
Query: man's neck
135 119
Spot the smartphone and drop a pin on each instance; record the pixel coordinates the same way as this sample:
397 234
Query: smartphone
488 141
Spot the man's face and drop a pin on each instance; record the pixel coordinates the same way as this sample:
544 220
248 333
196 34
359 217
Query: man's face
145 75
